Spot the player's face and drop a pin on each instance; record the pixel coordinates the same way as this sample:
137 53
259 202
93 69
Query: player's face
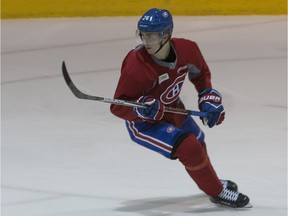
151 41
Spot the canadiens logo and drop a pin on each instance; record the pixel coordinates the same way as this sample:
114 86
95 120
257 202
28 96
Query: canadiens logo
171 94
170 129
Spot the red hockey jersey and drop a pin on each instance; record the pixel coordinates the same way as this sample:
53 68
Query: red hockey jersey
142 74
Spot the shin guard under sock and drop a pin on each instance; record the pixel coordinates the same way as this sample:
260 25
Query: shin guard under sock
194 157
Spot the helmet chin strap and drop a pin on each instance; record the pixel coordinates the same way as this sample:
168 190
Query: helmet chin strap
161 45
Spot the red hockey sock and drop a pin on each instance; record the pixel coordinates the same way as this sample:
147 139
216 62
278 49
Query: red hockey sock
204 147
195 159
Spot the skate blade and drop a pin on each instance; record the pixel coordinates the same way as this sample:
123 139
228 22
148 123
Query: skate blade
249 205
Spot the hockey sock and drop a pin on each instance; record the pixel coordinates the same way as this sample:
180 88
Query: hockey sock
204 148
195 159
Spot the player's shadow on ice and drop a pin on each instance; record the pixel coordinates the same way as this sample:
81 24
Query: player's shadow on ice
164 206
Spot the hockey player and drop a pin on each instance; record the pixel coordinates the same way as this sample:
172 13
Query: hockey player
153 73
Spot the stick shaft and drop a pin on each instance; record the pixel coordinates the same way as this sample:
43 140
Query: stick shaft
82 95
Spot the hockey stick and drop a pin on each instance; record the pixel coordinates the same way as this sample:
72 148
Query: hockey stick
82 95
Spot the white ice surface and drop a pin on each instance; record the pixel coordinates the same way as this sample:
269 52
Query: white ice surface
62 156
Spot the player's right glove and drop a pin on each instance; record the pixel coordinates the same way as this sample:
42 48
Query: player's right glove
154 111
210 101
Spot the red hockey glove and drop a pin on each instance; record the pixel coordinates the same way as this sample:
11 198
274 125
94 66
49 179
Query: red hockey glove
210 101
154 110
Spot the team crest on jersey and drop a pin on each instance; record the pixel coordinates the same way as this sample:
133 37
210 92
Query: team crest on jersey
171 94
170 129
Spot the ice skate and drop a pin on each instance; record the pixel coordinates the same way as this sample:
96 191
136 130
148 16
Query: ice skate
230 185
232 199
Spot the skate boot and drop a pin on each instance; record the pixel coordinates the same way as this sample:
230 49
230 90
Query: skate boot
231 198
230 185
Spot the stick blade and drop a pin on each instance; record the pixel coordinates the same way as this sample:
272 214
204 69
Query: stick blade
65 74
73 88
70 84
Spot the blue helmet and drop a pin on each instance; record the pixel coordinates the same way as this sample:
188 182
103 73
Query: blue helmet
156 20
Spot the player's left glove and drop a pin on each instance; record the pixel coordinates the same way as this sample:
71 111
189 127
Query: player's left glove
154 110
210 101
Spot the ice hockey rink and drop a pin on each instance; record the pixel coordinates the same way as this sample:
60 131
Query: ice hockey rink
62 156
